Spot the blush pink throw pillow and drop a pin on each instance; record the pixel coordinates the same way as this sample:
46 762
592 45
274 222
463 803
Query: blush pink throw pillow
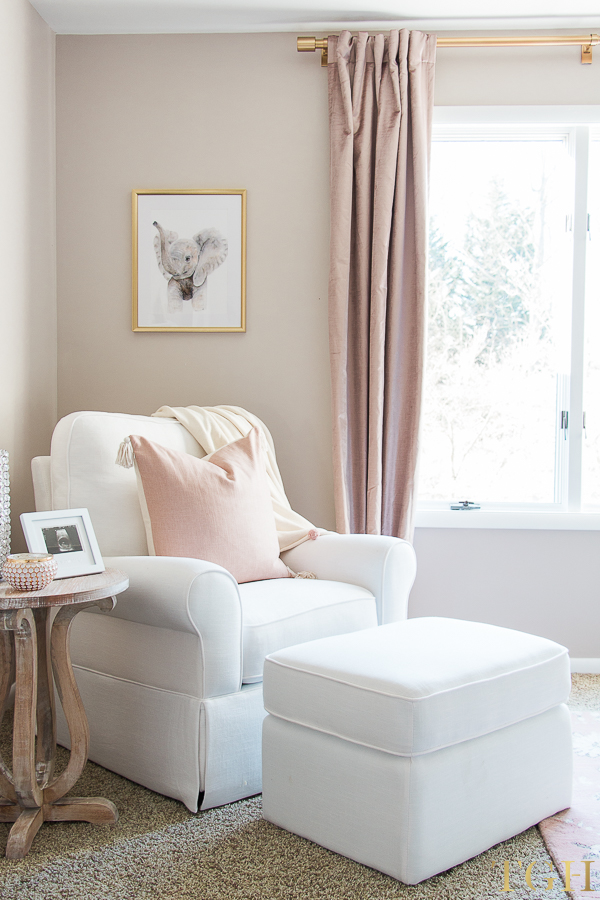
217 508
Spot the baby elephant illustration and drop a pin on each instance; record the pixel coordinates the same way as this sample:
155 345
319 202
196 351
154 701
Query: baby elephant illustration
186 263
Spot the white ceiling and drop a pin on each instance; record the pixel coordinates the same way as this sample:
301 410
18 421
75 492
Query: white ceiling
306 16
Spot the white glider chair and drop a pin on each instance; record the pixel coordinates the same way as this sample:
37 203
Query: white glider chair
171 679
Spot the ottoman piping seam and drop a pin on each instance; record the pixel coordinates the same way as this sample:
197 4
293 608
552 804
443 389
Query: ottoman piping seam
396 696
412 753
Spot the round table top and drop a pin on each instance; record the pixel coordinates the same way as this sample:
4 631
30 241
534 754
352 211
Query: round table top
64 591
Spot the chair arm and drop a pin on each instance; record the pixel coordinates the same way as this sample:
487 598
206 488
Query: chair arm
386 566
188 595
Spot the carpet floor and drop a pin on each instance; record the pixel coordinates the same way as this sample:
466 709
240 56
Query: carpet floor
159 849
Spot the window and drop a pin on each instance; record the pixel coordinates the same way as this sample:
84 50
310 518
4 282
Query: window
512 279
590 493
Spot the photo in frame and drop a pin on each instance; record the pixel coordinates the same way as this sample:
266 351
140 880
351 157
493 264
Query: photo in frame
69 536
189 260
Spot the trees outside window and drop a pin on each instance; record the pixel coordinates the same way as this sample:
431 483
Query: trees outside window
499 323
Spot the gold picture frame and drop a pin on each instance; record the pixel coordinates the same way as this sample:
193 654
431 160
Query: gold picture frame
189 270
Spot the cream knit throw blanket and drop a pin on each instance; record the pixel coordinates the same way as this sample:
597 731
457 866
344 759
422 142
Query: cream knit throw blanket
215 426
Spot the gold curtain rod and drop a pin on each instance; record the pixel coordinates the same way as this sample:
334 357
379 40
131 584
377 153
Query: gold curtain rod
586 42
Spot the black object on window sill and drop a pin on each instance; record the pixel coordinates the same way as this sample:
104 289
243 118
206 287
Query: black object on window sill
465 504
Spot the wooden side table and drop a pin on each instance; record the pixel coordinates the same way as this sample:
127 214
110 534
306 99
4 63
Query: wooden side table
33 645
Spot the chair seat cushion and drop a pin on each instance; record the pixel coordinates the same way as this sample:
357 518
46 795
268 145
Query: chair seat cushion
416 686
288 611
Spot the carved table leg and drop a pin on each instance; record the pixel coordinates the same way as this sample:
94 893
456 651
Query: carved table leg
7 669
23 832
28 795
46 721
27 790
7 677
88 809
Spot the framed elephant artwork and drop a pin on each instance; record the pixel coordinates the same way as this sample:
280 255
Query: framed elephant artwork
189 260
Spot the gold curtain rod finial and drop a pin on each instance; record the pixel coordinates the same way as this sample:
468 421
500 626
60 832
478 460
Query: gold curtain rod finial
310 44
306 44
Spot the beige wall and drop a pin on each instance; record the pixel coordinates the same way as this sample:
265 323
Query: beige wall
526 76
27 246
199 111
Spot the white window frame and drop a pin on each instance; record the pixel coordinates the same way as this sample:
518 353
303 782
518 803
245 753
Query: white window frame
578 123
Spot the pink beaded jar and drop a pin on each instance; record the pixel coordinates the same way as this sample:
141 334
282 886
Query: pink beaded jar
29 571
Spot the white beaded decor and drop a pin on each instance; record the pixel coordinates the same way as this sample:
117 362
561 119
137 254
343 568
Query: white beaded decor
29 571
4 507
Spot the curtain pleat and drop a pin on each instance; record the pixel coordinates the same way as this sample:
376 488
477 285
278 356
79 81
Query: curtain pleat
380 106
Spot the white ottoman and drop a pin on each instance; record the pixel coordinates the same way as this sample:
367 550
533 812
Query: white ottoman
415 746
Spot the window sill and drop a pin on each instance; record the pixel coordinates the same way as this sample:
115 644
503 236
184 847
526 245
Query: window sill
525 520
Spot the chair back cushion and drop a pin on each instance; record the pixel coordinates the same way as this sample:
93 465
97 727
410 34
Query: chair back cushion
84 473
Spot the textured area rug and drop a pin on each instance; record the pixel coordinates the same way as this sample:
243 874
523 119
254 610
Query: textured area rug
160 850
574 834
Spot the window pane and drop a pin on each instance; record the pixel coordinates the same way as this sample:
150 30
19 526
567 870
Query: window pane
499 318
590 492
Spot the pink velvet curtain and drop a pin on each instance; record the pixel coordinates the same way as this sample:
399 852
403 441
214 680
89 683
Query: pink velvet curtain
380 110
